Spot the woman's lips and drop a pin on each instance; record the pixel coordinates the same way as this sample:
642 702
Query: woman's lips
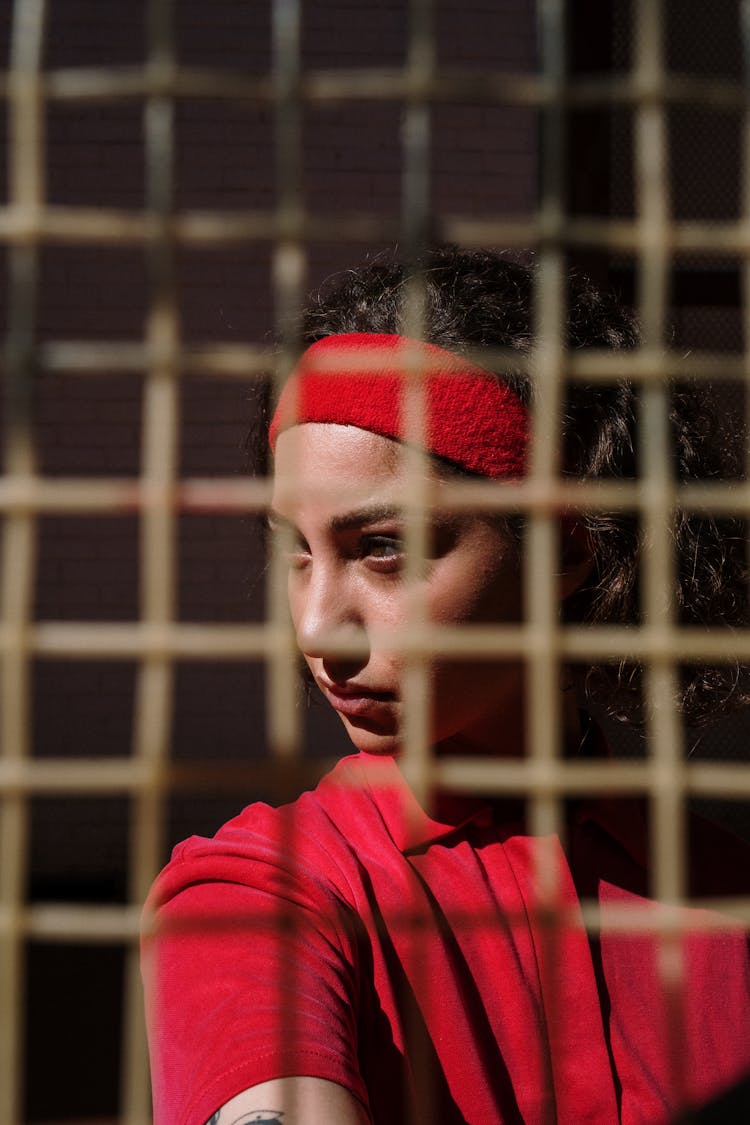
354 701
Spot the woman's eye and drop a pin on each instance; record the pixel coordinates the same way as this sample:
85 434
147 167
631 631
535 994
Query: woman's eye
383 548
297 557
297 553
294 551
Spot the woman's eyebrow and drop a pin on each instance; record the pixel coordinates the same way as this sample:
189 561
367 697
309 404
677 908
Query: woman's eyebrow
359 517
370 513
384 513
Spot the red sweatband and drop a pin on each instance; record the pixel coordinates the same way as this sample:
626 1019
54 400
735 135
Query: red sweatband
359 380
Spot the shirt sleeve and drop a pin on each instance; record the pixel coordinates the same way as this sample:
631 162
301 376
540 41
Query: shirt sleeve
250 970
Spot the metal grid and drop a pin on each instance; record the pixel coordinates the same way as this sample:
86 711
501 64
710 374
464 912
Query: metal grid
28 222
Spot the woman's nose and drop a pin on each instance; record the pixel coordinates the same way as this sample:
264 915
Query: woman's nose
327 611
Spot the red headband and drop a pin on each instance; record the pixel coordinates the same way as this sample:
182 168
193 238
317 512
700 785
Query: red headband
359 380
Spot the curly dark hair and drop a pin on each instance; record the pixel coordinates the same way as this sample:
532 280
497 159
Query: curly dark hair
480 299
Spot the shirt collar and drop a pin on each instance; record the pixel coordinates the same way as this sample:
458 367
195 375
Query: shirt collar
412 829
406 822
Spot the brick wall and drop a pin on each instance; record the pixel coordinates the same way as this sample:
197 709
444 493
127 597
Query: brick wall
484 162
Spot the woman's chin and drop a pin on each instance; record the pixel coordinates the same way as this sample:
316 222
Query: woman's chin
372 739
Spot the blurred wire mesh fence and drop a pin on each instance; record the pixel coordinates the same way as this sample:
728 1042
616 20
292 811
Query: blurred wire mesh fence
550 127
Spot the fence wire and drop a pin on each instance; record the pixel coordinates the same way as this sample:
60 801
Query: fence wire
159 494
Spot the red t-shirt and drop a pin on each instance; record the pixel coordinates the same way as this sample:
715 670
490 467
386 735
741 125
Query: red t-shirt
349 936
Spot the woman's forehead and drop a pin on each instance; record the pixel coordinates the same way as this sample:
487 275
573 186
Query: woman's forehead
319 450
337 467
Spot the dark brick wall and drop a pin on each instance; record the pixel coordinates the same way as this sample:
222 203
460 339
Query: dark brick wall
483 163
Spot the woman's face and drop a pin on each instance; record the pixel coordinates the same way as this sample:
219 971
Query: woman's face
340 490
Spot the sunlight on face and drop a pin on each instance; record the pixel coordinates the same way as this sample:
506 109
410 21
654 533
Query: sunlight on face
339 490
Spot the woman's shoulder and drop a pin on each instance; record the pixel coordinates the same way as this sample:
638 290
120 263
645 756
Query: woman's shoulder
314 842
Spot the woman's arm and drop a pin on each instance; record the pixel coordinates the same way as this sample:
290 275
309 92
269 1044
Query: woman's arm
292 1101
251 970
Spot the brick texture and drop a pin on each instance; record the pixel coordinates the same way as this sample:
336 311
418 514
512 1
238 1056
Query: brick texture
483 162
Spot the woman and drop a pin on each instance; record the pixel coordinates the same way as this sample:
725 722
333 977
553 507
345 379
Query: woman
351 958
